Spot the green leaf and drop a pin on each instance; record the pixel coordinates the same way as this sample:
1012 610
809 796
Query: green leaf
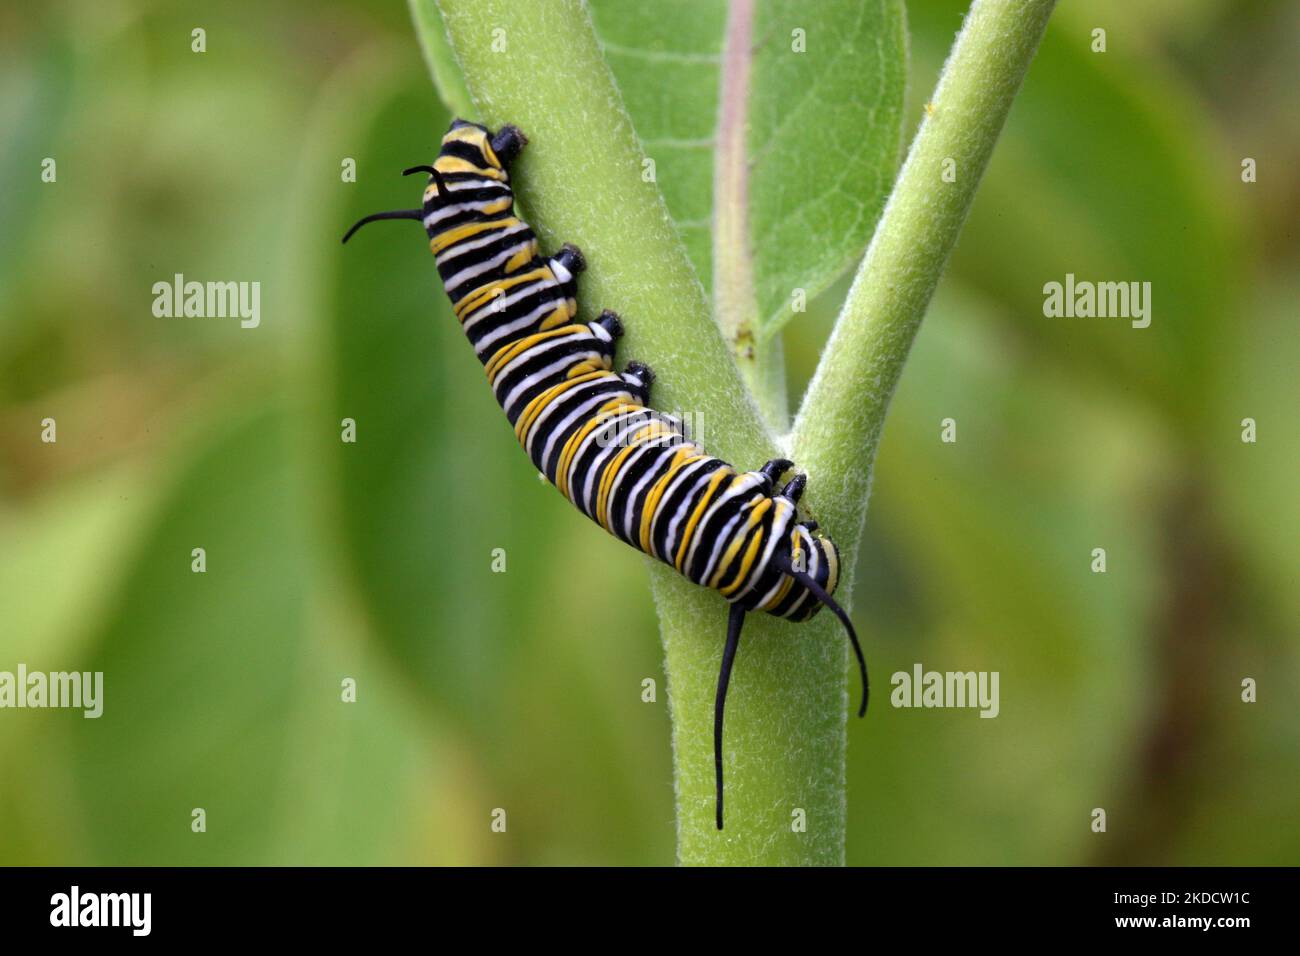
825 130
222 691
775 131
666 58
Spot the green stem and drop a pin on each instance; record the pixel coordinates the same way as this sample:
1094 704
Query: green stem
839 425
767 382
446 75
735 301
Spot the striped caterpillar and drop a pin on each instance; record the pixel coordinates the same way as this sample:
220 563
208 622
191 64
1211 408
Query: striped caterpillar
589 430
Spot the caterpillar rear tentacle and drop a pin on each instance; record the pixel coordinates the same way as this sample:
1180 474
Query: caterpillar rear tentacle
589 429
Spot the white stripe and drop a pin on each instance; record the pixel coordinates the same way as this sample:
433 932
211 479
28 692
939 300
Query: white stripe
654 472
469 273
651 473
746 484
684 510
619 427
448 211
581 408
722 541
532 381
780 523
464 246
445 212
511 328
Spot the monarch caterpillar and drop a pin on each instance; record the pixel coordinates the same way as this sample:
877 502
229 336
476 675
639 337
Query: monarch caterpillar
589 430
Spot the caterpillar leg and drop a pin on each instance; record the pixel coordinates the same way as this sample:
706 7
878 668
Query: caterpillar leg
735 620
566 264
639 377
794 488
611 323
507 143
774 469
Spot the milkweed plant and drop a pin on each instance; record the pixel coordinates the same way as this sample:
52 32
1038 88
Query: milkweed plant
793 115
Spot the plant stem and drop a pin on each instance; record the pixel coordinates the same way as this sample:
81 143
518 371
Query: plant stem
839 425
446 75
735 301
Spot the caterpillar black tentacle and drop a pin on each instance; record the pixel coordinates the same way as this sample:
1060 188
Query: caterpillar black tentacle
590 431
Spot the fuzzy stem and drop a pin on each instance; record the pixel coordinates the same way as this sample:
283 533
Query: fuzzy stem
735 300
447 79
840 422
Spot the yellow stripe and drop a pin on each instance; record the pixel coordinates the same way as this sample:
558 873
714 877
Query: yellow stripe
475 137
683 458
454 164
729 554
606 413
443 240
466 134
563 313
508 354
521 258
746 565
486 293
786 584
643 434
538 404
833 565
606 480
600 364
716 479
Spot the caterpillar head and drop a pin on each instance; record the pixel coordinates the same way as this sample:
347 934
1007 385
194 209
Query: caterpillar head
801 552
478 146
808 568
471 150
816 555
466 148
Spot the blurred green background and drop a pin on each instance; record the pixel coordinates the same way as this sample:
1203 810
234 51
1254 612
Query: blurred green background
522 690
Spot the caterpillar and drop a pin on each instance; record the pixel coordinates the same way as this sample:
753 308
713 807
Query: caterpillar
590 430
